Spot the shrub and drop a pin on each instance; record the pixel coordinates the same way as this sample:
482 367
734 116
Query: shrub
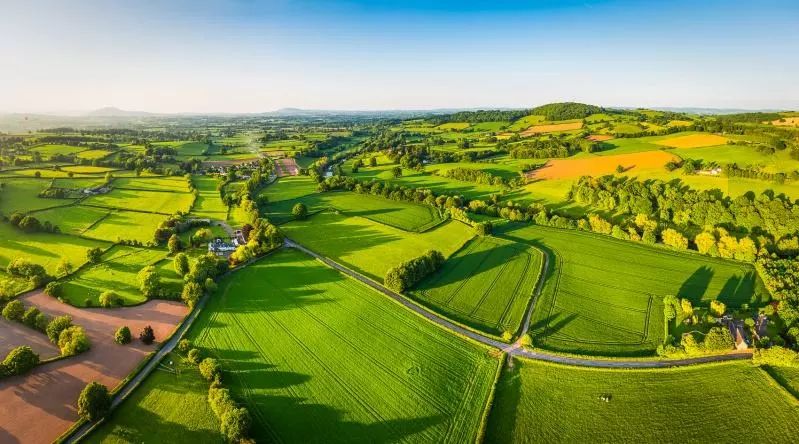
73 340
191 293
109 298
30 316
147 335
184 346
718 308
299 211
14 311
220 400
56 326
777 356
718 339
235 424
210 369
20 360
94 255
149 281
173 244
407 274
194 356
53 289
41 322
507 336
483 228
122 335
94 401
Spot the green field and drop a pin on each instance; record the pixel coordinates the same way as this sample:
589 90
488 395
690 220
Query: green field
125 225
604 296
316 355
23 195
486 285
788 377
167 407
168 183
732 402
149 201
371 247
208 204
73 219
288 188
53 149
117 272
45 249
94 154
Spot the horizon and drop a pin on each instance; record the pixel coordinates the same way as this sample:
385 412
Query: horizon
236 57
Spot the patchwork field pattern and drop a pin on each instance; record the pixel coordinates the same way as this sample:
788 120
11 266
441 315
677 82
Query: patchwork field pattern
486 285
313 353
541 402
371 247
604 296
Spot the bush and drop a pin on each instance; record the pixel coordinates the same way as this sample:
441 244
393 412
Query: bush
299 211
73 340
407 274
776 356
173 244
210 369
94 401
53 289
235 424
56 326
483 228
194 356
30 316
191 293
20 360
181 264
122 335
14 311
94 255
147 335
109 298
184 346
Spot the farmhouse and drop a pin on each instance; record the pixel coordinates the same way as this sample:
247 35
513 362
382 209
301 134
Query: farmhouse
738 334
221 248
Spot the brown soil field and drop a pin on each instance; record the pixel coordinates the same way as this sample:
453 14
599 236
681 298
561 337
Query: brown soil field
540 129
14 334
693 141
287 167
788 121
39 406
599 137
600 165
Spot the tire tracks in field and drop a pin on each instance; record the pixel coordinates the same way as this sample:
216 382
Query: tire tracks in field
516 349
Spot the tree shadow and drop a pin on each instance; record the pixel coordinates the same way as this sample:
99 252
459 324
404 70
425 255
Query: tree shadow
695 287
738 290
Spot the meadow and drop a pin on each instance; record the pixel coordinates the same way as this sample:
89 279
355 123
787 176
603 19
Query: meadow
117 272
72 219
166 183
604 296
542 402
486 285
23 195
208 204
371 247
57 149
149 201
315 354
125 225
166 407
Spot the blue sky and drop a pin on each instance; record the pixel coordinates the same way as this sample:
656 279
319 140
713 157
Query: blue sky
247 56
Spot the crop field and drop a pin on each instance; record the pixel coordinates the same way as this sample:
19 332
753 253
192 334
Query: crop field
786 121
73 219
45 249
150 201
693 141
551 128
315 354
602 165
23 195
526 122
191 148
453 126
57 149
93 154
371 247
542 402
125 225
167 407
86 169
780 161
486 285
604 296
208 204
167 183
600 137
490 126
117 272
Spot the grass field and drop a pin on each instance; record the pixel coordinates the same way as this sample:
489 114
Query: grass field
46 249
56 149
86 169
551 128
23 195
208 204
525 122
93 154
125 225
117 272
487 285
150 201
165 408
693 141
787 377
453 126
289 187
540 402
371 247
168 183
73 219
604 296
315 354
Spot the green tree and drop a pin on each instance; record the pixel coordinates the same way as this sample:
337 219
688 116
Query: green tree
30 317
184 346
235 424
122 335
173 244
396 172
94 255
192 292
109 298
299 211
20 360
147 335
64 267
149 281
194 356
210 369
14 311
73 340
56 326
181 264
94 401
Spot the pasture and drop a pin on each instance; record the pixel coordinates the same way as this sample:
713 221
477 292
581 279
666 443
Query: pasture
604 296
117 272
72 219
693 141
314 354
486 285
371 247
148 201
86 169
208 204
453 126
165 183
57 149
525 122
94 154
125 225
541 402
166 407
23 195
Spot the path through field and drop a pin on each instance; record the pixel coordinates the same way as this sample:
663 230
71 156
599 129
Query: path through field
287 166
39 406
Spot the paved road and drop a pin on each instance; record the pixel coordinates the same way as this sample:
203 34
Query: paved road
516 349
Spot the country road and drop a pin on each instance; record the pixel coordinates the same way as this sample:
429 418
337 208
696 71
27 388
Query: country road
516 349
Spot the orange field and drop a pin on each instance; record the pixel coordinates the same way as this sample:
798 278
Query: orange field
599 137
693 141
601 165
540 129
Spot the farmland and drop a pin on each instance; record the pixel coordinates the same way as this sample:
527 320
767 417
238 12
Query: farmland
358 368
604 296
486 285
600 166
370 247
539 402
149 201
208 204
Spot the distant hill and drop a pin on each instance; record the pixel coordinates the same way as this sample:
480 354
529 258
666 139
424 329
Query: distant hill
110 111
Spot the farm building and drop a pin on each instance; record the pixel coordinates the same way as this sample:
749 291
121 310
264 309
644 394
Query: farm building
221 248
738 334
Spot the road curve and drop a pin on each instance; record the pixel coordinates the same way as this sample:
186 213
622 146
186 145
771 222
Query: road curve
516 349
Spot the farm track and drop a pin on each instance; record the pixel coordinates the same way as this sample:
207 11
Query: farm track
516 349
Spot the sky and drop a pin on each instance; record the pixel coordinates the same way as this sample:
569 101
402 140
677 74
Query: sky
252 56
